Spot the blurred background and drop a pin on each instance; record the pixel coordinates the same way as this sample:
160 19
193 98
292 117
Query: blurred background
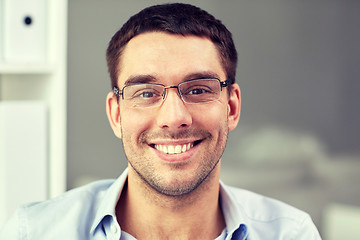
298 136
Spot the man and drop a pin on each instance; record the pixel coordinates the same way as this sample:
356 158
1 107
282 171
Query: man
174 100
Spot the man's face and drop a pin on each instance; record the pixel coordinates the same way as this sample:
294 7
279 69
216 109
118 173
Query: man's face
194 135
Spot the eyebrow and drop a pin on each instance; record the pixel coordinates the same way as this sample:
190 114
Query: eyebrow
139 79
201 75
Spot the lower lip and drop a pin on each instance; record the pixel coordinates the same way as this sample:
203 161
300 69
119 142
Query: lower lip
176 157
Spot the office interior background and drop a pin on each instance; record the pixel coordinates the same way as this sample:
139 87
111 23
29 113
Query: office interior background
298 135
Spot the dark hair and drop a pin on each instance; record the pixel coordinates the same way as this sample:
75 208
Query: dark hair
176 18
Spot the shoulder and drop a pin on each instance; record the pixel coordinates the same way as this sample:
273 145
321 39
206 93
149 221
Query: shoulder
77 198
266 216
67 212
257 206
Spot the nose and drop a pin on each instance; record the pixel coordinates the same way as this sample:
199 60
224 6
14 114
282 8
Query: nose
173 113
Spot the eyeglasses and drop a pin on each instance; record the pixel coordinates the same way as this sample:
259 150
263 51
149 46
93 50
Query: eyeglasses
147 95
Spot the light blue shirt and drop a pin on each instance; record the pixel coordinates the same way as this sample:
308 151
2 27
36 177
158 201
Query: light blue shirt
88 213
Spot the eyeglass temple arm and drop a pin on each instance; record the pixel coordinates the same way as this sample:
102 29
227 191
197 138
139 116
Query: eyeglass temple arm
226 83
116 91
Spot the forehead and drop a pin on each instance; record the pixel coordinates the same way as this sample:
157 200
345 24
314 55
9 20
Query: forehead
167 56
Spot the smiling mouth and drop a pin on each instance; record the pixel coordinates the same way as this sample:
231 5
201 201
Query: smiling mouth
175 149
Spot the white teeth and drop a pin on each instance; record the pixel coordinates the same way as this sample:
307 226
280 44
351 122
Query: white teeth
178 149
189 146
171 149
184 148
174 149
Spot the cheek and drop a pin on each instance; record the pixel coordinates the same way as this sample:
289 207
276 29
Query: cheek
212 116
133 123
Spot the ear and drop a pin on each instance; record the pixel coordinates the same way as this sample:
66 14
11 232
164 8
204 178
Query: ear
113 113
234 106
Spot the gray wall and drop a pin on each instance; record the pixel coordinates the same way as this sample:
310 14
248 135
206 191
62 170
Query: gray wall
298 71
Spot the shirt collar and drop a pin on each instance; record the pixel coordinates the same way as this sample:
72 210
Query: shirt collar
233 214
107 202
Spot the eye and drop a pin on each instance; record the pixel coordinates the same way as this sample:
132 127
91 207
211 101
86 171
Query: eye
146 94
196 91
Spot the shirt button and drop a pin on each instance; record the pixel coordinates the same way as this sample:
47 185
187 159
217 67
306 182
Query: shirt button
113 228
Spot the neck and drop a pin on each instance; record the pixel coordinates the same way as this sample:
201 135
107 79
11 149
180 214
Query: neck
196 215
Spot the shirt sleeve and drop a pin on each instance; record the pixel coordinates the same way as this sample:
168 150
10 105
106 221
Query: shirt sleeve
308 230
12 230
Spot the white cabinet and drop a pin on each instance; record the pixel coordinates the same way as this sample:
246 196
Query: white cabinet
33 39
24 31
